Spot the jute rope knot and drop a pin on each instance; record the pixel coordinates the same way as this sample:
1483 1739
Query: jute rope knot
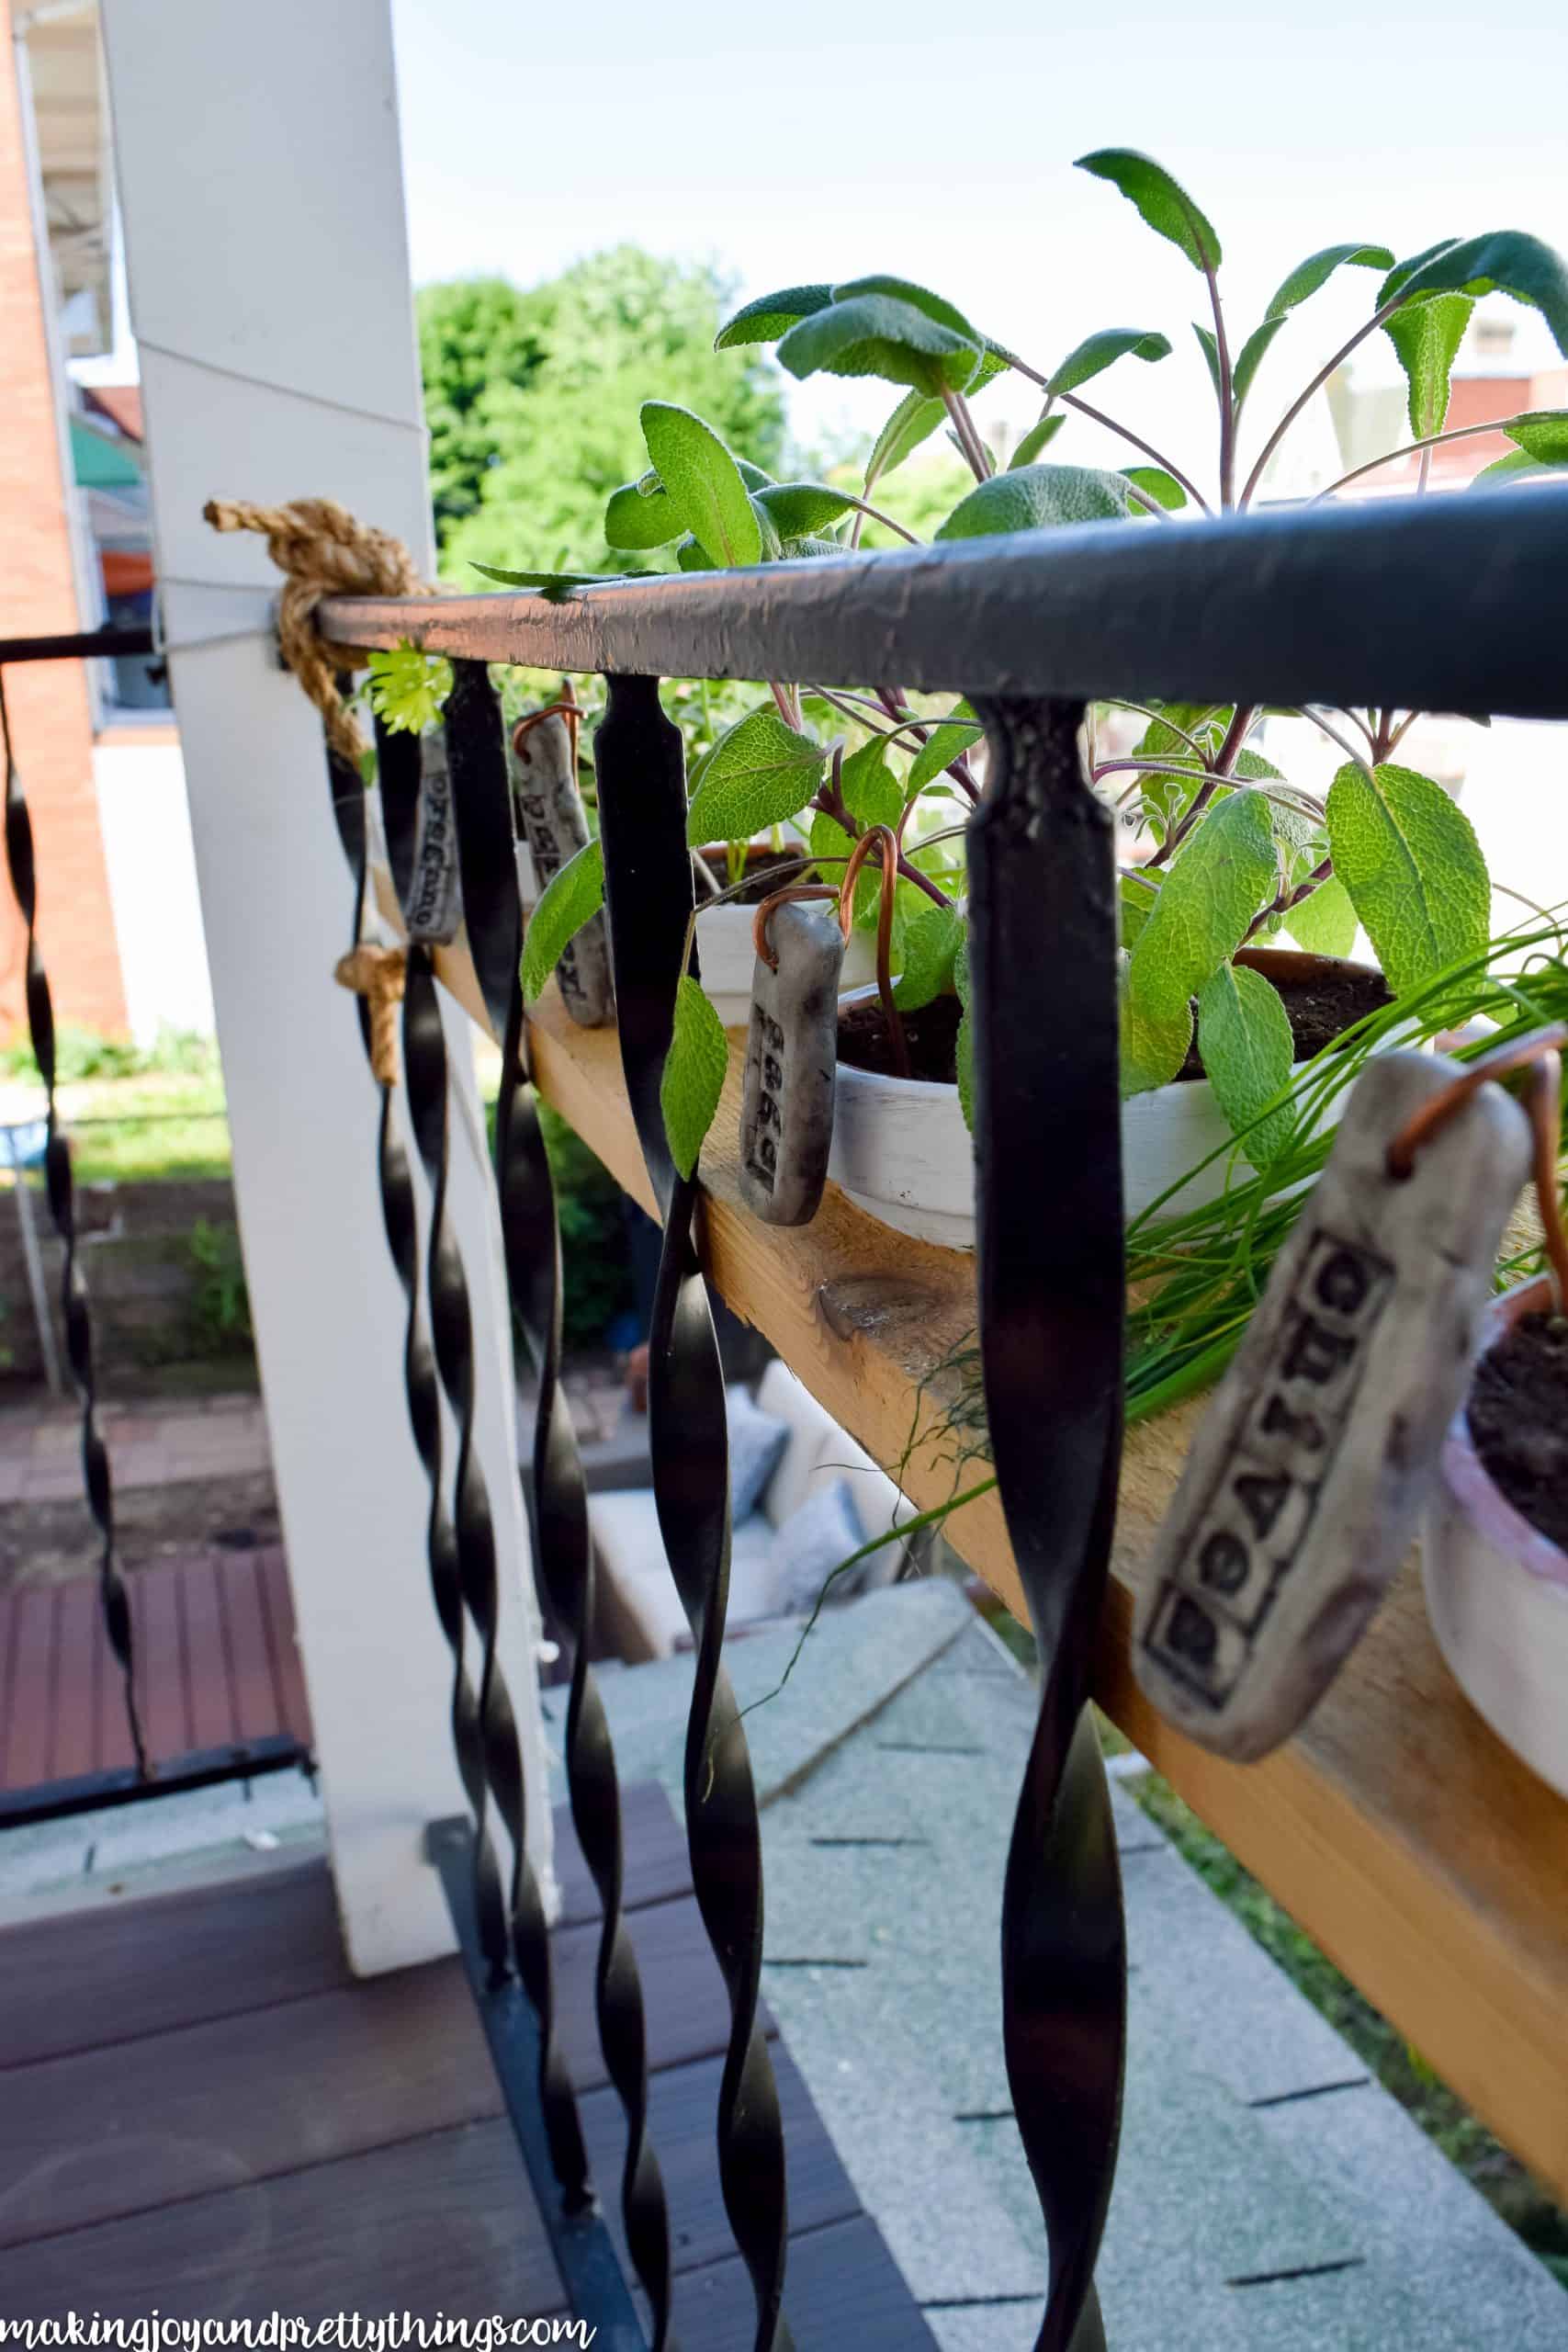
321 551
377 974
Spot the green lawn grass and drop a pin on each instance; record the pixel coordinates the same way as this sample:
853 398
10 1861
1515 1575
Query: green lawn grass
141 1129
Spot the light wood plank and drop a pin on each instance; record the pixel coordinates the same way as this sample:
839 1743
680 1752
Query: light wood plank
1394 1826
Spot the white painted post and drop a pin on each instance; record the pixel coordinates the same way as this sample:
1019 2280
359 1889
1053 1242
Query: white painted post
260 191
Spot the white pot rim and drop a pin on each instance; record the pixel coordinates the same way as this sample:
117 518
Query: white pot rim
1493 1517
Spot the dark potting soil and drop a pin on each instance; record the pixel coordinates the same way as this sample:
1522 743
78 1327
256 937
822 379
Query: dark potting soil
760 874
865 1042
1320 1009
1519 1418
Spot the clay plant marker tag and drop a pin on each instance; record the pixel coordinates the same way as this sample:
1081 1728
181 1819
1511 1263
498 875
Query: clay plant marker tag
786 1107
434 910
1303 1490
549 806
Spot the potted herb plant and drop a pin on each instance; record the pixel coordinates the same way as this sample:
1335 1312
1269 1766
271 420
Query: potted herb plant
1225 854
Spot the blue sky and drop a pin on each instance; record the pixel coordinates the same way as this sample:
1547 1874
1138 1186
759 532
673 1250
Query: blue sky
837 137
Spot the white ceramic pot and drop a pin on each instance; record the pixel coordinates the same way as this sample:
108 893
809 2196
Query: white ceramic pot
727 955
1498 1588
902 1151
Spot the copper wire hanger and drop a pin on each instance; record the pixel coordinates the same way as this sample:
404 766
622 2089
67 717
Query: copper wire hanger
1540 1053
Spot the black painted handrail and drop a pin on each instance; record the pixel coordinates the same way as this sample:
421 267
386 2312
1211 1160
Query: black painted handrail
1452 603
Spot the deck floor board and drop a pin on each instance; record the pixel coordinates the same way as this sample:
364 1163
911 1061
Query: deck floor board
201 2110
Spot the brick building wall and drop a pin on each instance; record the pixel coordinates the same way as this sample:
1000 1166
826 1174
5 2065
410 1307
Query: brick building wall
47 702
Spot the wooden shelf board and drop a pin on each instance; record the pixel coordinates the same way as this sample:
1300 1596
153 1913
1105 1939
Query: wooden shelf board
1396 1828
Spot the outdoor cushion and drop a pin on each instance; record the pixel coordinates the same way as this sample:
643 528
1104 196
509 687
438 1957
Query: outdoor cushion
640 1615
811 1545
757 1441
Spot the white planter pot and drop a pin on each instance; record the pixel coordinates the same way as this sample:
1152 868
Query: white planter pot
727 953
902 1151
1497 1590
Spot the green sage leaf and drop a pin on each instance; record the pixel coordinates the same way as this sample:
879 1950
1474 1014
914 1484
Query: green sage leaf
914 420
1327 923
1426 336
1209 347
903 290
639 518
758 773
1318 268
574 895
931 941
963 1057
876 335
555 585
1243 1038
770 316
1155 483
704 483
1542 433
693 1074
1163 204
1249 357
1097 351
1504 260
1037 437
1221 878
802 509
1036 498
942 747
872 794
1410 861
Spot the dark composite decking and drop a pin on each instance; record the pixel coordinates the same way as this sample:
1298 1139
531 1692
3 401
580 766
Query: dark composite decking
201 2110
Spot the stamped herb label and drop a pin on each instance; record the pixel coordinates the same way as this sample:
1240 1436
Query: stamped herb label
549 809
786 1112
434 910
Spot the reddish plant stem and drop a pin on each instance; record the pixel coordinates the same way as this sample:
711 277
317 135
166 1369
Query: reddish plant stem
881 838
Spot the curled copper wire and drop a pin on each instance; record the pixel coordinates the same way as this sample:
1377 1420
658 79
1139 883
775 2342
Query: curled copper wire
565 706
1540 1053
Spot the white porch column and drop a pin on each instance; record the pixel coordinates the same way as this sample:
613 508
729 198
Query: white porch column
260 189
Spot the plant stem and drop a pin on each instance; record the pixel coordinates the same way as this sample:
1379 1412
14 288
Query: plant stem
1405 724
1289 899
1227 403
1225 761
1410 449
969 439
1335 735
1396 302
886 521
1071 399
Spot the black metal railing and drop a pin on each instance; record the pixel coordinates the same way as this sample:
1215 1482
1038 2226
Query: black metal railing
151 1775
1447 605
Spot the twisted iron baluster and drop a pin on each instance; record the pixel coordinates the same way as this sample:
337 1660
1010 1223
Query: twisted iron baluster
400 1216
531 1235
112 1595
424 1064
1049 1241
642 818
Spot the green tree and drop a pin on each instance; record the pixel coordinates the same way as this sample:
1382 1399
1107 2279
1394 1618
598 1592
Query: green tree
534 400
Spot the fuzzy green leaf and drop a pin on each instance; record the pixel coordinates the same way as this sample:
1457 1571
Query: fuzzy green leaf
1249 357
1426 336
555 586
1211 350
693 1074
1409 859
964 1058
930 942
639 518
1542 433
772 315
1318 268
1244 1037
1155 483
1505 261
872 794
961 972
801 509
1136 899
575 893
1222 876
876 335
704 483
810 544
1327 923
1097 351
1037 438
914 420
1162 201
903 290
1503 470
759 773
1036 498
942 747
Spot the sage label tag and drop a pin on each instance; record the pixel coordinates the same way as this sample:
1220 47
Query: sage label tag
1303 1490
433 910
786 1105
549 809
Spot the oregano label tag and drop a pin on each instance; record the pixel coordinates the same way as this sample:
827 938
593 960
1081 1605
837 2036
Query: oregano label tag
786 1109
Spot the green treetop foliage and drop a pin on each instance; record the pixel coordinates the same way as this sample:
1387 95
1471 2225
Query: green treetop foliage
533 398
